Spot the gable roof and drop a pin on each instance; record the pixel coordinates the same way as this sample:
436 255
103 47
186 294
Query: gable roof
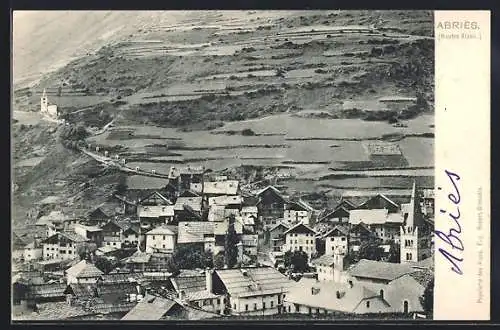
74 237
339 212
384 197
155 211
192 281
229 187
97 213
156 196
138 258
193 202
175 171
163 230
225 200
279 224
324 260
369 217
380 270
150 308
325 295
253 281
297 206
343 230
272 188
194 231
188 193
300 228
84 269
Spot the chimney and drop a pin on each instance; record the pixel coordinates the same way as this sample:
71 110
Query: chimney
209 280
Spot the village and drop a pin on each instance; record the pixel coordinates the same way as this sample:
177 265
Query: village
199 245
188 229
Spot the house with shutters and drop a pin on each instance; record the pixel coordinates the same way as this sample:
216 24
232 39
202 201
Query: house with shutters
337 240
250 291
297 212
96 217
277 237
161 239
112 234
271 204
62 245
154 210
83 272
301 238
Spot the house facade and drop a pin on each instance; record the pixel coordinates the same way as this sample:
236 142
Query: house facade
277 237
337 239
62 246
161 239
301 238
271 204
296 212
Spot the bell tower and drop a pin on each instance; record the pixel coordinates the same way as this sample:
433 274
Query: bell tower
413 243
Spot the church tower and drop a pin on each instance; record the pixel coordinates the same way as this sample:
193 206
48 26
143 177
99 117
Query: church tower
338 265
413 243
44 102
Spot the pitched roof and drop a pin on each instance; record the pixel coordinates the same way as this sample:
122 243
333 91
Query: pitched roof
97 213
325 295
370 217
138 258
300 227
324 260
279 224
150 308
338 229
84 269
193 202
253 281
155 211
225 200
163 230
51 290
337 213
229 187
274 189
380 270
157 197
189 281
221 227
194 231
187 170
74 237
390 201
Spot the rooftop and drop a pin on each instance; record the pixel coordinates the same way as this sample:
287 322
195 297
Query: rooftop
370 217
324 260
193 202
163 230
155 211
322 294
194 232
150 308
253 281
229 187
84 269
380 270
300 228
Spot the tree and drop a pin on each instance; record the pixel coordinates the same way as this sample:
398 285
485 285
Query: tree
104 264
296 261
84 251
230 248
427 298
219 261
370 250
394 253
190 256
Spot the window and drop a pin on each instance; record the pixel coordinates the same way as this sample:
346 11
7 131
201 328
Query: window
246 307
163 237
368 304
153 237
382 294
272 304
343 239
310 310
405 307
234 306
255 307
264 305
317 310
331 239
279 299
290 308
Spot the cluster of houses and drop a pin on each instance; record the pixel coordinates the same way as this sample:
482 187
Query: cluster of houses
148 224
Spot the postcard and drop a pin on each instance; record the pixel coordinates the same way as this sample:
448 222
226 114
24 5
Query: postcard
250 165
